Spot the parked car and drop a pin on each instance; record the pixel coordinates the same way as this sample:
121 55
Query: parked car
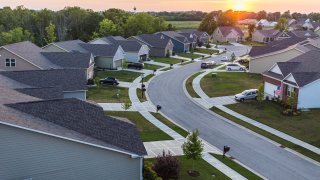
208 64
109 81
224 58
235 67
136 66
247 95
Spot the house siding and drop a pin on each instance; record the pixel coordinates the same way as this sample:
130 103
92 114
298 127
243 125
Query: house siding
75 94
21 64
90 72
53 48
262 64
26 154
257 37
309 96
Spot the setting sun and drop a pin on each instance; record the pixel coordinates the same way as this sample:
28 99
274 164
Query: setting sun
239 6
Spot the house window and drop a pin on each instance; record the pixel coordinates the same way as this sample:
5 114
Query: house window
10 63
290 90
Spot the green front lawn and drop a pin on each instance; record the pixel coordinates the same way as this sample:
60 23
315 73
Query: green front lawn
268 135
151 66
170 124
189 55
206 51
122 75
305 127
108 94
166 60
237 167
229 83
148 77
139 94
205 169
189 86
148 132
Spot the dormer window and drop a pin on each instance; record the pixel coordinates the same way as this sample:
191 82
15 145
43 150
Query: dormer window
10 63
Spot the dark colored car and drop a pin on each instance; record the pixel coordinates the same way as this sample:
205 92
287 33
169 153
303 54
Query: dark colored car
209 64
109 81
136 66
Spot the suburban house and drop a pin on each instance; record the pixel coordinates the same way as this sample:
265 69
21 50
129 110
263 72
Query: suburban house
263 57
300 75
23 56
105 56
72 82
159 45
180 42
228 34
65 139
312 26
266 25
265 36
134 51
202 37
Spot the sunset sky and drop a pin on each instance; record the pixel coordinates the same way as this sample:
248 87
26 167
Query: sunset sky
304 6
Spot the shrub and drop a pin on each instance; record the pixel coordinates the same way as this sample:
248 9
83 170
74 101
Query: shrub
167 166
148 173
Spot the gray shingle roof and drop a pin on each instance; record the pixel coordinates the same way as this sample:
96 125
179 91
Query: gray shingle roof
225 30
154 40
190 37
175 35
69 59
87 119
31 53
72 45
129 46
43 93
67 79
101 49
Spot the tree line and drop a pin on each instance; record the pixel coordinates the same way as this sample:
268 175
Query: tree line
45 26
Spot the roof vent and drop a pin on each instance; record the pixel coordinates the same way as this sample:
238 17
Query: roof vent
162 37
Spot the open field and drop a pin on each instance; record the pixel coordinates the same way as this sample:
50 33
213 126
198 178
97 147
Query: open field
185 24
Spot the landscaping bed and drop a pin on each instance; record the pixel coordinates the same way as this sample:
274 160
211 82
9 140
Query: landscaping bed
266 134
205 169
170 124
148 132
166 60
229 83
305 127
237 167
126 76
108 94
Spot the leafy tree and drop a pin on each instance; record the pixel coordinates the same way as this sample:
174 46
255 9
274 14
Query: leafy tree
292 100
193 147
126 106
148 172
286 15
262 15
167 166
227 18
106 28
170 27
15 35
233 57
282 24
251 28
50 33
260 95
208 24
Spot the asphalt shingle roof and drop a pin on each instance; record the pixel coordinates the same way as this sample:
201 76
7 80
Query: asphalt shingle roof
69 59
72 45
225 30
87 119
269 33
31 53
154 40
175 35
101 49
43 93
67 79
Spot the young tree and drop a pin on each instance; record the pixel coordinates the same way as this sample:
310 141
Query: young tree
260 95
233 57
251 28
50 33
126 106
167 166
193 147
292 100
282 24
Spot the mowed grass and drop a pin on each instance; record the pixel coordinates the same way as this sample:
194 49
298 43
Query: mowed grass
268 135
148 132
139 94
170 124
108 94
166 60
189 55
151 66
148 77
206 51
205 169
252 43
185 24
229 83
189 86
126 76
305 127
237 167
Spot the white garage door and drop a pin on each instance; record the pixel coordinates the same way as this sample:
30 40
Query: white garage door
269 89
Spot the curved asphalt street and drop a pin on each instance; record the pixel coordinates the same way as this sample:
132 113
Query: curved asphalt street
257 153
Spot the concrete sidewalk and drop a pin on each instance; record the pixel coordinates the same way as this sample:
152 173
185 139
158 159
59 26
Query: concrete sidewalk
114 107
270 130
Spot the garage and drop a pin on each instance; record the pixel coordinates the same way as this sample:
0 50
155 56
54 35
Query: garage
118 63
270 89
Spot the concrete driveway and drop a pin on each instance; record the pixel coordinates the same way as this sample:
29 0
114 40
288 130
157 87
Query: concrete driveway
255 151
